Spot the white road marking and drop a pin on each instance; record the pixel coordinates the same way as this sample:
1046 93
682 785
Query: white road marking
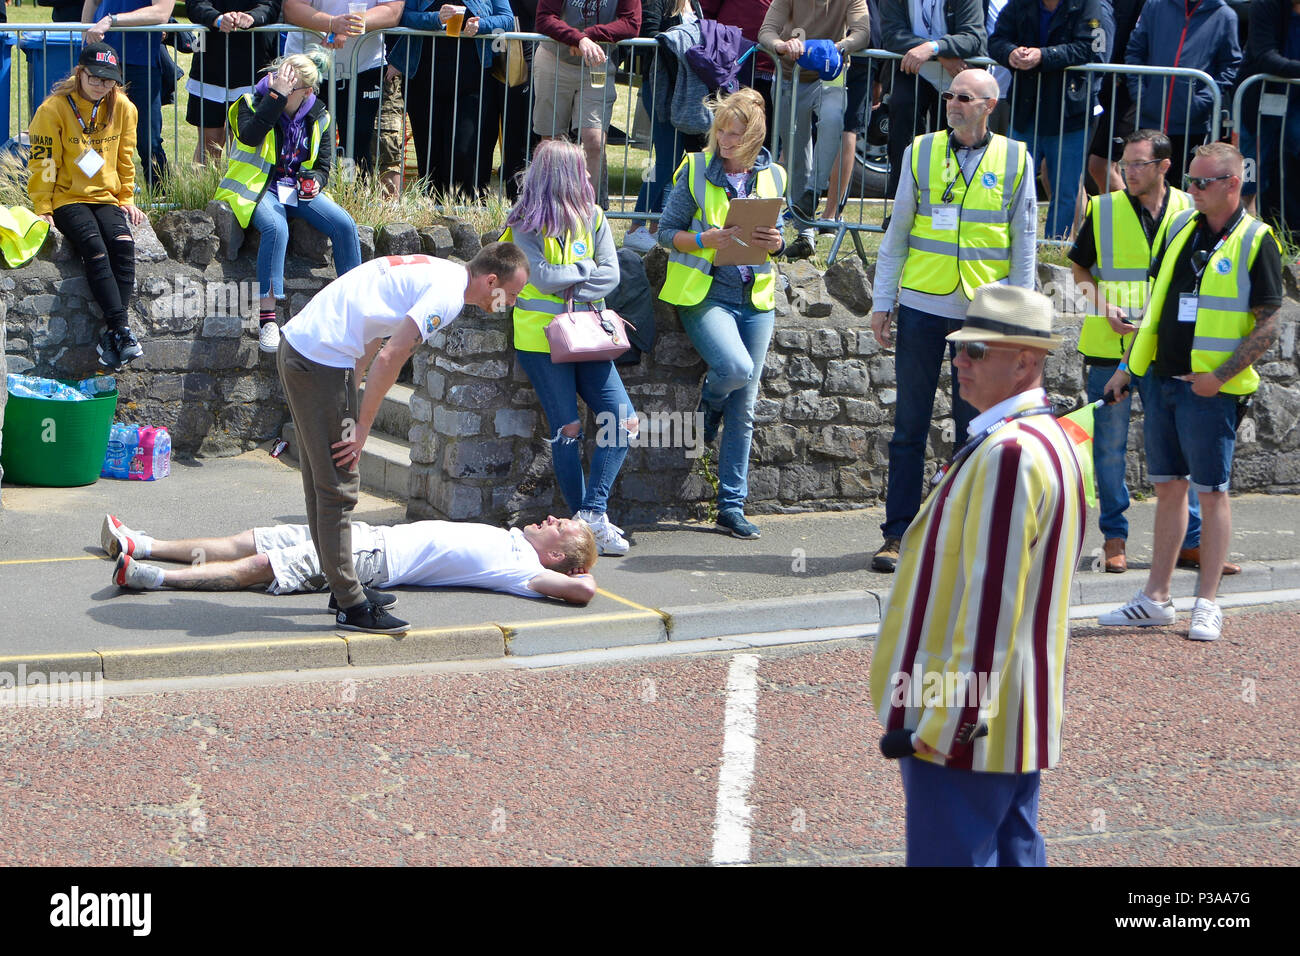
739 745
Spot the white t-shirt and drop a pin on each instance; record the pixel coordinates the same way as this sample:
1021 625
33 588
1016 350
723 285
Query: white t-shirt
456 554
371 54
372 301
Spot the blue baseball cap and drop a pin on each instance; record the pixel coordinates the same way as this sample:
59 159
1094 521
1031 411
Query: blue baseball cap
822 56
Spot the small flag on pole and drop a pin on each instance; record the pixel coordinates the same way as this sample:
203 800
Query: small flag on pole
1078 426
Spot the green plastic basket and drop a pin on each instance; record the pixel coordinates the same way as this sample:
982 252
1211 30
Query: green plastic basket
56 444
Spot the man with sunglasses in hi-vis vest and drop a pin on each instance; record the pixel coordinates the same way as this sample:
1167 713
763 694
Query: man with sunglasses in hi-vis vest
964 217
1111 259
1212 313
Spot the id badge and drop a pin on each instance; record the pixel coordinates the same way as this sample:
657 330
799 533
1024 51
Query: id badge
90 163
1272 104
1186 307
288 193
944 217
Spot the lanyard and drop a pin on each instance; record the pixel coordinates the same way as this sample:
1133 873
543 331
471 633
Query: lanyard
975 442
85 130
1227 231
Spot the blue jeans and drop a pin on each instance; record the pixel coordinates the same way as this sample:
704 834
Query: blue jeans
1068 149
732 340
1187 434
670 147
1109 451
918 353
964 818
271 219
558 385
144 90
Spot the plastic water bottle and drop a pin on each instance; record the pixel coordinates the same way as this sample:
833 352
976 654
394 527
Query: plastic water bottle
97 385
117 458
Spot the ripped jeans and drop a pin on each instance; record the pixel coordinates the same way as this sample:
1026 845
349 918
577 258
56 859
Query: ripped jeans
558 386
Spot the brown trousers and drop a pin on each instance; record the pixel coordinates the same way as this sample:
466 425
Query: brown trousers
323 402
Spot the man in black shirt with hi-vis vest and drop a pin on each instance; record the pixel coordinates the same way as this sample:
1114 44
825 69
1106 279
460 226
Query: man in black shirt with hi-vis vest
1110 261
1212 314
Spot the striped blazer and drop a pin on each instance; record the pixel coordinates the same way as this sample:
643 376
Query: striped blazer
975 627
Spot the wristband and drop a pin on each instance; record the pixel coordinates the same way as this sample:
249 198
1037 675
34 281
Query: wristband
699 239
935 44
112 21
1123 366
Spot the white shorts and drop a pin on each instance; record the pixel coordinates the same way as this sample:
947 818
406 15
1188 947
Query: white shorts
296 566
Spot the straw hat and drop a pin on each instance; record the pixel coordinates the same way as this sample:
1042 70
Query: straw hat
1010 315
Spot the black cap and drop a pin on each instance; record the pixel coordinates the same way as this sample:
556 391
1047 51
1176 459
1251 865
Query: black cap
100 59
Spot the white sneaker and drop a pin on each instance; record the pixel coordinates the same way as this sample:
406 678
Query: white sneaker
116 538
609 537
268 337
1141 611
1207 621
136 575
640 240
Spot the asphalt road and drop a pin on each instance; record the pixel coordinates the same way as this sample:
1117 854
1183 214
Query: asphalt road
1175 753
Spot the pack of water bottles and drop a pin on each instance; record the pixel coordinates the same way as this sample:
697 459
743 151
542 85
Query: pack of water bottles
29 386
138 453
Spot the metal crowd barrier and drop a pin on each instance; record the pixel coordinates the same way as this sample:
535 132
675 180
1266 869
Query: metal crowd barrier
511 125
1267 168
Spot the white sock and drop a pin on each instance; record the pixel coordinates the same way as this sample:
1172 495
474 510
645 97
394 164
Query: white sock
143 545
151 575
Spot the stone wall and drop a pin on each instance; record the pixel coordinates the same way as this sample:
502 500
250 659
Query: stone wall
195 313
823 416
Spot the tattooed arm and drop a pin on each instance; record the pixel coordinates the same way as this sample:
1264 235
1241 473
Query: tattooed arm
1251 350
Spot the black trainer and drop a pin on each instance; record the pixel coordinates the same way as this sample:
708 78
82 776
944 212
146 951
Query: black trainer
734 523
107 349
369 619
801 248
380 599
128 347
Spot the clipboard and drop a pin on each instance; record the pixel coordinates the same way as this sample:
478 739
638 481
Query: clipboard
747 214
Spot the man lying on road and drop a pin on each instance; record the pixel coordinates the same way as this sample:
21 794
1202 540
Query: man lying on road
551 558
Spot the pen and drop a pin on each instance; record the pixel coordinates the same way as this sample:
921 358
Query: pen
740 242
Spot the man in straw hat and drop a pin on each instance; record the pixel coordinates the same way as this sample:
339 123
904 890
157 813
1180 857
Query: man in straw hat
971 654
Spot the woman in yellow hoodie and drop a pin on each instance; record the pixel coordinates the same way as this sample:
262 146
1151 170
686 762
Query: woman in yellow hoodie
81 178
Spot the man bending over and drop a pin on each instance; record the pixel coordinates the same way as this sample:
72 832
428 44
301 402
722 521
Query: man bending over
552 558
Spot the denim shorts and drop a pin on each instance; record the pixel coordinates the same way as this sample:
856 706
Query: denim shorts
1188 435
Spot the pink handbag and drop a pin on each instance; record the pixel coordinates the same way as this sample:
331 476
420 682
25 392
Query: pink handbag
588 336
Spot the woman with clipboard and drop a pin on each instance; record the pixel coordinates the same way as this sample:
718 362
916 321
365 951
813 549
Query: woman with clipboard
727 310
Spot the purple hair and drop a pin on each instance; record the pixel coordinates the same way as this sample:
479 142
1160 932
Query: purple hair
556 195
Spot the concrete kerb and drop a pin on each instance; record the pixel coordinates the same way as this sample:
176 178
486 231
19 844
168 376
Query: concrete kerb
834 613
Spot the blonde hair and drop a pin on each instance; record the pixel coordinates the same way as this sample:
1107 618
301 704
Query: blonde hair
72 84
310 66
579 550
1226 156
745 107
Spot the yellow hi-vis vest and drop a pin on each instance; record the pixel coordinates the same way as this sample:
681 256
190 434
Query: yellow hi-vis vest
534 309
248 171
1223 316
978 250
1123 263
690 274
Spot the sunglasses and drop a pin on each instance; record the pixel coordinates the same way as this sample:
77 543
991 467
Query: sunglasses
978 351
1203 182
949 96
